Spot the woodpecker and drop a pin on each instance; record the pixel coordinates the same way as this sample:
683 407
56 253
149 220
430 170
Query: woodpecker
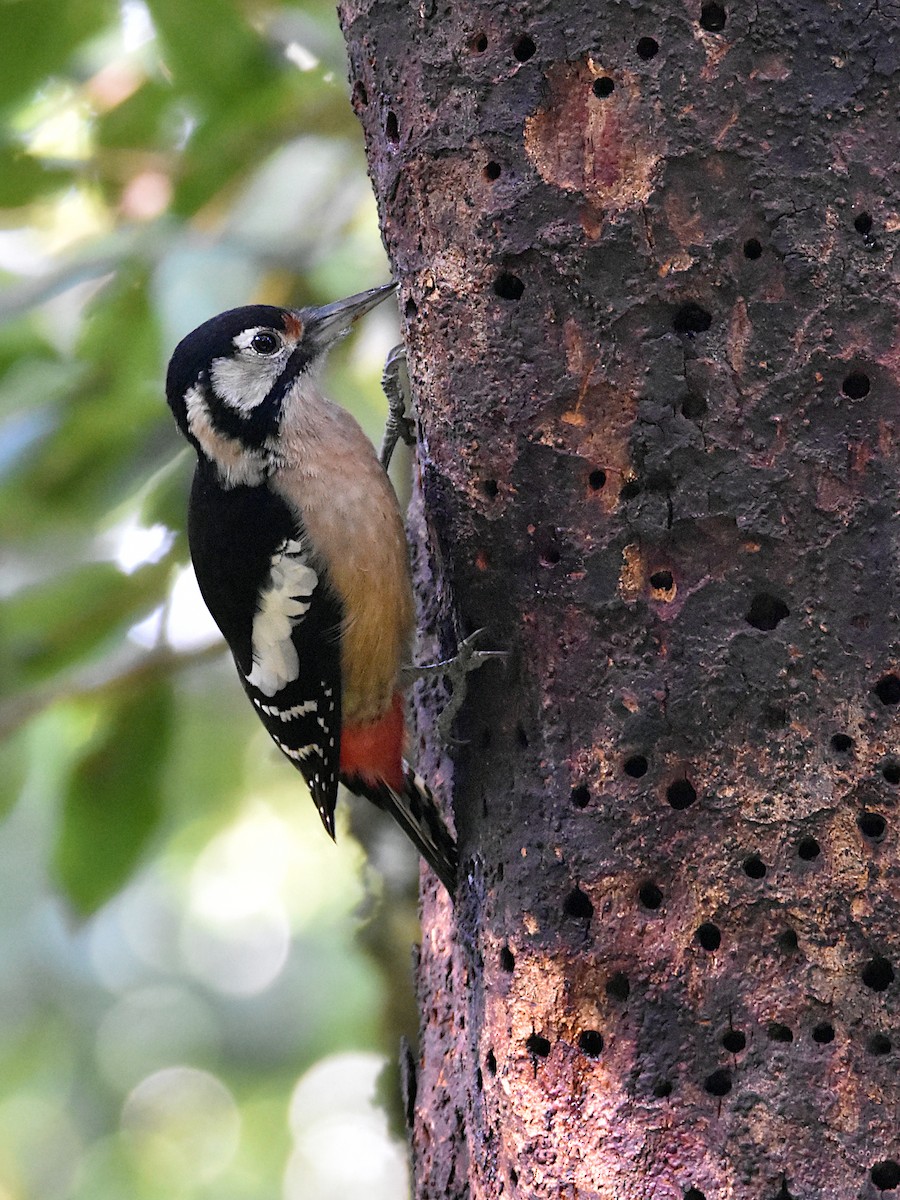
300 553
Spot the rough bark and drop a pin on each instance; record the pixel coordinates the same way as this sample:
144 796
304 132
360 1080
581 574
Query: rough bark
647 256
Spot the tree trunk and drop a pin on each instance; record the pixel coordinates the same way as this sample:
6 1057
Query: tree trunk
646 257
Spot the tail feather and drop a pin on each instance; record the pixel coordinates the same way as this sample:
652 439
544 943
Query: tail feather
414 809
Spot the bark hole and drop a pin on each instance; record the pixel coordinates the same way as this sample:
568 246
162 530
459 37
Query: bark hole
691 318
878 974
578 905
879 1044
635 766
734 1041
712 17
709 936
537 1046
887 689
694 407
618 987
681 794
581 796
523 48
808 849
766 612
886 1175
650 896
871 825
856 385
779 1033
508 286
590 1041
754 867
718 1083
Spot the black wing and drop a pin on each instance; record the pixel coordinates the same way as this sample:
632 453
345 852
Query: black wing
280 619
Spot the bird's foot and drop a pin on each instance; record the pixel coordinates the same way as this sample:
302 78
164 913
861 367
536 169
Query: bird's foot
455 671
395 383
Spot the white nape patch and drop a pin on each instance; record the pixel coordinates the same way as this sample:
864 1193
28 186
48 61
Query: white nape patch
236 463
301 753
244 379
281 605
287 714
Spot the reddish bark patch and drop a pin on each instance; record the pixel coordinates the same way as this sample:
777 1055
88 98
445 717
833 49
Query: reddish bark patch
593 138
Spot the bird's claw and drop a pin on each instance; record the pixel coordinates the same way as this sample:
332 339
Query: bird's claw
455 670
395 383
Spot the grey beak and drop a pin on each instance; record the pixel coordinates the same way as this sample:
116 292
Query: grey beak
326 325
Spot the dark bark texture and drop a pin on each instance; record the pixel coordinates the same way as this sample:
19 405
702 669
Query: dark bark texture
647 256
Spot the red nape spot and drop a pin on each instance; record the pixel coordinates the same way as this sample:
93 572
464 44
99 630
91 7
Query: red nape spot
373 753
481 561
293 326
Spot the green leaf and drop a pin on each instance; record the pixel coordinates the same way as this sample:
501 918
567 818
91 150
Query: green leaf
112 803
213 54
49 627
139 121
13 770
24 178
39 37
103 444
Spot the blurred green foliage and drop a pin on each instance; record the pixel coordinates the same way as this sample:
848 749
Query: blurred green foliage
186 1006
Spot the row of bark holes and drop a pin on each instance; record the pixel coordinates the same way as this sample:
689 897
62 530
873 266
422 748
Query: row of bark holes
690 318
877 974
884 1175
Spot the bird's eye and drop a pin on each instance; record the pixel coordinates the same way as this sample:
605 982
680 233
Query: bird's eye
265 343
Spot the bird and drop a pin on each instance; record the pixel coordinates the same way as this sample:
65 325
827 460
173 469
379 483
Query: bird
300 553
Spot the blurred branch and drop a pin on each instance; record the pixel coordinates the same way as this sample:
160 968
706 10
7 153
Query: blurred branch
150 245
103 679
81 268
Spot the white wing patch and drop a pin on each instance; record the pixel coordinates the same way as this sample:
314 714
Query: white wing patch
281 605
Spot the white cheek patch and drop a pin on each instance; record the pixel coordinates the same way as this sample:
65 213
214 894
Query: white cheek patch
282 604
235 462
244 382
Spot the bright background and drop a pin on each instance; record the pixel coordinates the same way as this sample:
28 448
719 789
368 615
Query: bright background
198 991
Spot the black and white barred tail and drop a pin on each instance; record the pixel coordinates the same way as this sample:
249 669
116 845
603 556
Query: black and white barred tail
415 811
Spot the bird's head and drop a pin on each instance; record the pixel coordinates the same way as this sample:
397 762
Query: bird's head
229 380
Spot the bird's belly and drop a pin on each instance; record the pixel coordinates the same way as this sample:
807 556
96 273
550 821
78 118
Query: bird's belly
356 532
